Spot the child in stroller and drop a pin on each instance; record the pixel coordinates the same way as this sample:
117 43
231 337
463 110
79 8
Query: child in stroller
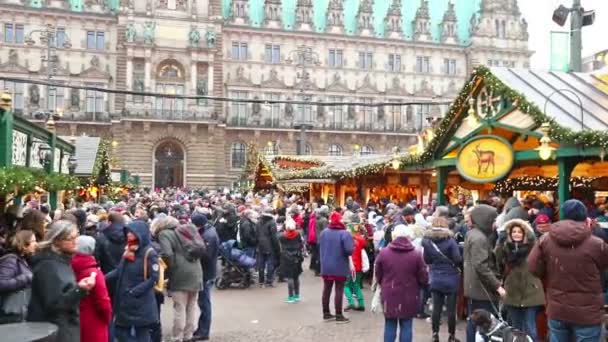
236 267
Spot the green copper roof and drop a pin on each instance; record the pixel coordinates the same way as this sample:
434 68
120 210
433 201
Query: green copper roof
437 8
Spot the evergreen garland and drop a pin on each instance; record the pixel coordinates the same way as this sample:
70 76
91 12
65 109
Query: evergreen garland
22 180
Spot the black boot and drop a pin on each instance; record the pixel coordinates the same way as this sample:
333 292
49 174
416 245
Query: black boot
453 338
435 337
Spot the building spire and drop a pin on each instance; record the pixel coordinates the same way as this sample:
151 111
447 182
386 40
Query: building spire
422 22
393 20
449 29
365 20
304 15
272 13
335 16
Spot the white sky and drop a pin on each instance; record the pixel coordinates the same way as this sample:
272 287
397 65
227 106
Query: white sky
538 14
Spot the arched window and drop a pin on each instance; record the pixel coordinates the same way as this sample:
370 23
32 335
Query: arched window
503 29
334 150
238 155
168 165
272 148
170 79
497 24
366 149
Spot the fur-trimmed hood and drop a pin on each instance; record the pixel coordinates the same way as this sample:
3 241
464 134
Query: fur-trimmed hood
438 233
528 231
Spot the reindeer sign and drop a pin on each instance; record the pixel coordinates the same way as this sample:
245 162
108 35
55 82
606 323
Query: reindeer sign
485 159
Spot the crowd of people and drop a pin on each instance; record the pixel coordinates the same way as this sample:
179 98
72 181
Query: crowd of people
101 271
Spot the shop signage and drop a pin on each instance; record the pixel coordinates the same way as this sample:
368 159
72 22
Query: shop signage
485 159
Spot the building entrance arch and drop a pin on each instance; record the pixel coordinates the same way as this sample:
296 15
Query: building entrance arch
169 165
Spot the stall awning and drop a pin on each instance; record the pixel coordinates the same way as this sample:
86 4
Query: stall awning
86 153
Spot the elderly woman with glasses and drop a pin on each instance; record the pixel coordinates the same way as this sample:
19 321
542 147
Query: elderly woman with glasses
55 293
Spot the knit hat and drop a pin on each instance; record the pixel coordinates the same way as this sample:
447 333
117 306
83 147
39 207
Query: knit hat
401 230
542 219
85 245
335 219
574 210
92 220
199 220
290 224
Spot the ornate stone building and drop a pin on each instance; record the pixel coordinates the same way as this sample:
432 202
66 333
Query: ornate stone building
343 52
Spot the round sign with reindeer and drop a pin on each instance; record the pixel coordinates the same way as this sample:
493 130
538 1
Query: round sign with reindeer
485 159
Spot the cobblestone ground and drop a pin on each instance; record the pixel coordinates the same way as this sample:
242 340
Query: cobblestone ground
260 314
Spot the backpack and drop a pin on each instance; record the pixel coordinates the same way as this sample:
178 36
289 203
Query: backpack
192 243
160 284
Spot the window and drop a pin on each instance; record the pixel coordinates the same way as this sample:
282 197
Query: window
272 54
366 150
449 30
96 40
239 110
335 58
168 104
238 155
14 33
273 110
394 120
56 99
304 111
423 64
16 92
95 100
501 28
394 62
60 36
368 113
365 60
423 112
334 150
335 112
449 66
239 51
139 76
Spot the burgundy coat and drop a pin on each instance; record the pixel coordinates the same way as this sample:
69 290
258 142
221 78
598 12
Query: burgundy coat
95 308
571 260
401 271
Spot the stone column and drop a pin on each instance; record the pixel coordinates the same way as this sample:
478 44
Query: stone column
210 76
129 85
148 77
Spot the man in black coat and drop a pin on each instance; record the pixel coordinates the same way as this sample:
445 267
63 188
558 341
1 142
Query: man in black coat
268 247
247 233
111 243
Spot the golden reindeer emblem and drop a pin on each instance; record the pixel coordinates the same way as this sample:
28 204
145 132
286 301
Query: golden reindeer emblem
484 158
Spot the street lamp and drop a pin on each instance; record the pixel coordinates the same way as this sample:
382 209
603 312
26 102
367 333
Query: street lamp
545 150
579 19
396 163
578 98
305 57
44 155
72 164
471 118
49 118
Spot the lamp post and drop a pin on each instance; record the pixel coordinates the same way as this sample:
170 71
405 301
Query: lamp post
305 57
72 164
578 98
579 18
48 36
45 157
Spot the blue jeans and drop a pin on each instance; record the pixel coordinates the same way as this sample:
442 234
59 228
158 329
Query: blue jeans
524 319
405 330
204 303
266 263
132 334
562 331
473 305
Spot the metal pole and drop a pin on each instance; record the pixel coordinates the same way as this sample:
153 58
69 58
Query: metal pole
580 103
576 37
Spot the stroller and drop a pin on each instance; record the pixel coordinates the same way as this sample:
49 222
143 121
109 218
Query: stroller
236 267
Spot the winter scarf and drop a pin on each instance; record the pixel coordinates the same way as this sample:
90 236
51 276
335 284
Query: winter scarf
291 234
130 249
517 252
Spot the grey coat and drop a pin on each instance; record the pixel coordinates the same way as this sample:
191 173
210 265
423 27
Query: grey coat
184 275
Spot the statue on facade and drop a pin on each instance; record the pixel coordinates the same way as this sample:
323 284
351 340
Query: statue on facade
149 28
75 98
194 36
34 95
131 33
288 109
95 62
201 87
350 112
320 111
381 113
13 57
210 39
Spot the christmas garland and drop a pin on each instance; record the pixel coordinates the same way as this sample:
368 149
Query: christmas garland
21 180
307 163
507 186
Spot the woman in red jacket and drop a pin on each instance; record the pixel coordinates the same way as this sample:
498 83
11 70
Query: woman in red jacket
95 308
354 284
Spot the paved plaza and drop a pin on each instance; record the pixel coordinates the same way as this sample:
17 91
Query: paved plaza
260 314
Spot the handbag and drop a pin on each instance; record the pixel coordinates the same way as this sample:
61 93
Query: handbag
377 300
364 261
445 257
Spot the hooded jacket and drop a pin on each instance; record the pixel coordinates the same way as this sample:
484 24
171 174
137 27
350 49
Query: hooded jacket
523 288
96 308
110 246
480 270
267 235
443 264
401 272
570 259
55 295
247 233
291 254
134 302
335 246
183 274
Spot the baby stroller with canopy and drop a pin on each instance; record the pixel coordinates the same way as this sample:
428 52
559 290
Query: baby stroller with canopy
236 267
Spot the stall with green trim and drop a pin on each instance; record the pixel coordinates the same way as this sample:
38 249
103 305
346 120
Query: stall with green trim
32 158
519 123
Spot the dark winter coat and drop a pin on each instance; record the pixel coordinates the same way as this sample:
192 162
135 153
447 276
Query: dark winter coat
480 270
134 302
55 295
183 274
522 287
291 255
110 246
444 272
96 308
227 226
401 272
247 233
335 246
267 239
212 241
570 260
15 274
